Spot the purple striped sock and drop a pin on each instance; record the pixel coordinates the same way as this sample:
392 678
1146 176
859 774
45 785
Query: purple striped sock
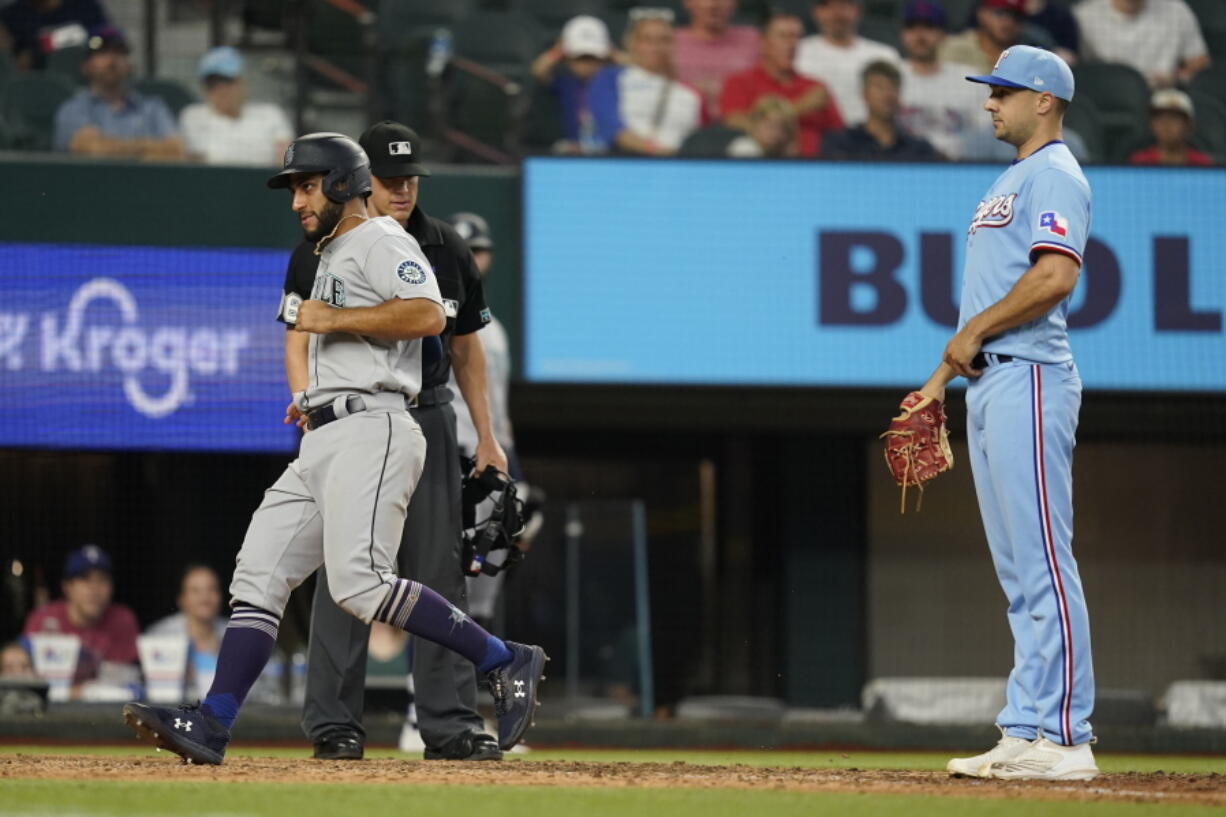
245 649
416 608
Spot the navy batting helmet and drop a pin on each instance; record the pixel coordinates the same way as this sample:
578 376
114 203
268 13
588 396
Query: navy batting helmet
344 165
474 230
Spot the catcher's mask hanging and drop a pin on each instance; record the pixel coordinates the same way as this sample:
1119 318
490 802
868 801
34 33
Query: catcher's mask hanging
498 531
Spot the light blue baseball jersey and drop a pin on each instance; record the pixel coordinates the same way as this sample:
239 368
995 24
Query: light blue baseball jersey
1039 204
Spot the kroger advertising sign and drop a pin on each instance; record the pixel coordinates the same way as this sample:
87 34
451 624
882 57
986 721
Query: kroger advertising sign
805 273
139 347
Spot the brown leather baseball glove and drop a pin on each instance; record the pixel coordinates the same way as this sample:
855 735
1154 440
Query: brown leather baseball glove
917 445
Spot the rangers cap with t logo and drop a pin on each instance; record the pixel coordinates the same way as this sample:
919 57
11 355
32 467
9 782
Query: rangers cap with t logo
1024 66
394 150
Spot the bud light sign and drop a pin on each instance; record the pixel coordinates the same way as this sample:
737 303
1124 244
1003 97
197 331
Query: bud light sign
841 274
141 347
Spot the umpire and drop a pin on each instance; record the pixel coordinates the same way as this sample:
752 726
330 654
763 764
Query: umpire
446 684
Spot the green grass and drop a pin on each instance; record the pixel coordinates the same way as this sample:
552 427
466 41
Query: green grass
34 798
818 759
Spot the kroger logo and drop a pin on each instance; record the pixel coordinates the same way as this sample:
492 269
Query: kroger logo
67 343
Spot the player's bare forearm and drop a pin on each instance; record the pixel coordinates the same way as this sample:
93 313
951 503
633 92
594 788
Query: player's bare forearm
397 319
468 361
1036 293
296 347
935 387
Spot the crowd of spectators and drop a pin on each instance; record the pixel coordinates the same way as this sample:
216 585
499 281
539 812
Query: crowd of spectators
108 632
108 661
792 95
109 118
782 93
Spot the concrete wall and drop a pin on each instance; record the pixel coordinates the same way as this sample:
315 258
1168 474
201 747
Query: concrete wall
1149 541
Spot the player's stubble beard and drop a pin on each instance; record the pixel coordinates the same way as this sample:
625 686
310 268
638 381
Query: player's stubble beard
328 218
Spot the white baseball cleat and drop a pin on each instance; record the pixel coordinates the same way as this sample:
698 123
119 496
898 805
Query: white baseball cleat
1006 749
1045 760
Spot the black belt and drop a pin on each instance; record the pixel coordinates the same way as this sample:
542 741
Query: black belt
980 361
431 397
326 414
434 396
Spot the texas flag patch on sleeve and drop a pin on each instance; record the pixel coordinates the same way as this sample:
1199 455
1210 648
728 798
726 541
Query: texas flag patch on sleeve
1054 223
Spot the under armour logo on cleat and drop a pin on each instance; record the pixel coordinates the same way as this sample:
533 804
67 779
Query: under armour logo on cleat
519 690
186 726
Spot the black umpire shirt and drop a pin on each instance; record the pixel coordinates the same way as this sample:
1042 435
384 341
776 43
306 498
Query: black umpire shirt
459 283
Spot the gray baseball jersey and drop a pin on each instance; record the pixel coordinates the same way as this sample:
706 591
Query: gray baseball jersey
343 501
372 263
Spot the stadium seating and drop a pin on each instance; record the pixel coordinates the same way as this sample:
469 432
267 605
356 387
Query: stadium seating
711 142
172 93
1212 17
29 104
505 41
958 13
335 36
489 104
1086 121
1210 133
1121 95
1212 81
881 29
403 85
67 63
398 15
551 15
543 123
1210 13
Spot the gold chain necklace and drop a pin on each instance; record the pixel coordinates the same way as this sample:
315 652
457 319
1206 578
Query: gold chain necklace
319 245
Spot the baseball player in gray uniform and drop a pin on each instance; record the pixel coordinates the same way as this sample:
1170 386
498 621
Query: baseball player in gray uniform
342 502
444 684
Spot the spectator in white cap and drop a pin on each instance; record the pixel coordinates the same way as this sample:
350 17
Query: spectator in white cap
1172 119
226 129
1159 38
566 69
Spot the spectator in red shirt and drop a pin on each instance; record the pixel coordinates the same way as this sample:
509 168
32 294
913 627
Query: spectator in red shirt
1172 119
775 75
710 48
107 631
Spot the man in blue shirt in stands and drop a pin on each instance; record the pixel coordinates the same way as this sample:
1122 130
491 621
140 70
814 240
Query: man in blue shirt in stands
110 119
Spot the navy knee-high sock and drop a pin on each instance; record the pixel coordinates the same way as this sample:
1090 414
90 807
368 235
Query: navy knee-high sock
414 607
245 649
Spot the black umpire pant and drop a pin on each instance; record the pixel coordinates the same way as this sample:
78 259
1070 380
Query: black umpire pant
445 682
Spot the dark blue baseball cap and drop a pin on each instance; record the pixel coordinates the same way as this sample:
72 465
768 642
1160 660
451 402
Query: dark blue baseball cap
1024 66
106 38
927 12
84 559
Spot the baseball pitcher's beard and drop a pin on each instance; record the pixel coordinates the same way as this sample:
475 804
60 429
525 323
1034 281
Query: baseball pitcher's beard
327 219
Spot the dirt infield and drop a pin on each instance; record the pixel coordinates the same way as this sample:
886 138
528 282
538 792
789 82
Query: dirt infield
1133 787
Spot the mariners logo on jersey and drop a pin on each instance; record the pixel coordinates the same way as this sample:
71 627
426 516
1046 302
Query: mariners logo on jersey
994 212
1054 223
411 272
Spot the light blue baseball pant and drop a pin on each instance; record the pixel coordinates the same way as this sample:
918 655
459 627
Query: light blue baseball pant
1021 426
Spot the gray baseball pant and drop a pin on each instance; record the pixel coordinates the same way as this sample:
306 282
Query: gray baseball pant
445 683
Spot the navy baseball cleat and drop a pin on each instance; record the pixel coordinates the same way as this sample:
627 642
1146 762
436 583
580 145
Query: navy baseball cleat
514 690
185 730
